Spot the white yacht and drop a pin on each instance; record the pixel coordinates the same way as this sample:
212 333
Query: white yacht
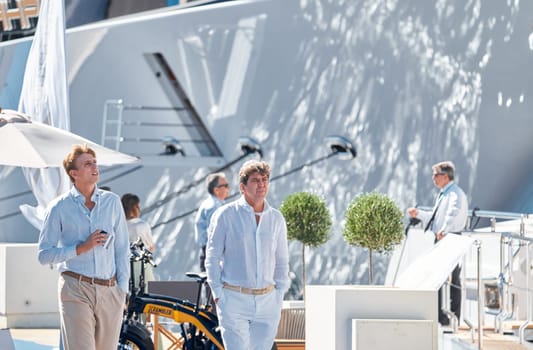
202 86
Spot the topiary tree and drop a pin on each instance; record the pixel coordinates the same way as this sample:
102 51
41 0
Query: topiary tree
373 221
308 221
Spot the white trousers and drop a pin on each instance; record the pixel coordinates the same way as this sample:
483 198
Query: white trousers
249 322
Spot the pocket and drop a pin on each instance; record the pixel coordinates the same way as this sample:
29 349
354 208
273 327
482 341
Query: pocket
119 295
69 289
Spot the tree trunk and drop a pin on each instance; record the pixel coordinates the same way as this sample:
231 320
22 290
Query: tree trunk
303 271
370 273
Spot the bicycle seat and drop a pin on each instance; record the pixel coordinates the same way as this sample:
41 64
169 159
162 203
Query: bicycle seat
199 276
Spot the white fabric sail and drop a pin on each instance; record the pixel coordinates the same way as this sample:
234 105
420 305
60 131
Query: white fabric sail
44 97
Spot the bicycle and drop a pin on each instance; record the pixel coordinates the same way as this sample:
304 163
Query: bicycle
198 324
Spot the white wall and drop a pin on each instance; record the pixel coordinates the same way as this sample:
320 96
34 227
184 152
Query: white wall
28 290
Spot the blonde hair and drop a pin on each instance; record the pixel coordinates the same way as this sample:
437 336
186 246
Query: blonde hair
69 163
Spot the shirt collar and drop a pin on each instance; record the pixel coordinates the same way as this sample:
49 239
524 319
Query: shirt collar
447 187
244 204
77 194
216 199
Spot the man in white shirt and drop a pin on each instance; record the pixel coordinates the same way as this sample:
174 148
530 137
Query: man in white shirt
247 263
449 215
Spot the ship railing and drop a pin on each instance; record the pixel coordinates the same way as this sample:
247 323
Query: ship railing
500 292
159 135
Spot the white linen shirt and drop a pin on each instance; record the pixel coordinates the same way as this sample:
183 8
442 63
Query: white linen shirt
452 211
243 253
69 222
138 228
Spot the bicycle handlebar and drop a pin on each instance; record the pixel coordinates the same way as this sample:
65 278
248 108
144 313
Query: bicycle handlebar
140 253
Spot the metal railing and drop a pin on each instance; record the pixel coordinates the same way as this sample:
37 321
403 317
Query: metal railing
514 244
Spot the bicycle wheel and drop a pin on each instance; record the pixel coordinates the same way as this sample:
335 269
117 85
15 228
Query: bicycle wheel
137 338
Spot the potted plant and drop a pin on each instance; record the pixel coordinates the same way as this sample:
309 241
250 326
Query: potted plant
308 221
373 221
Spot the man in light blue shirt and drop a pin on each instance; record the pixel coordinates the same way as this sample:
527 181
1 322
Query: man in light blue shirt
85 233
247 263
218 189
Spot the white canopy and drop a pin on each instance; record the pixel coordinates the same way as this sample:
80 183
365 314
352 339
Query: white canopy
36 145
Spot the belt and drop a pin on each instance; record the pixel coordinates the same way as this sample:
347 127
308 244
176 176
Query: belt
259 291
108 283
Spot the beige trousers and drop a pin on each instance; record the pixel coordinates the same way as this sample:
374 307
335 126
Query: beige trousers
91 314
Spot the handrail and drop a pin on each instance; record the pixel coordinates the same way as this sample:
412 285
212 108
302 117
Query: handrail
512 242
489 214
505 278
523 326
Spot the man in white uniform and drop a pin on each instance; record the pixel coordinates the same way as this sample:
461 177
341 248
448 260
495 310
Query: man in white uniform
247 263
448 216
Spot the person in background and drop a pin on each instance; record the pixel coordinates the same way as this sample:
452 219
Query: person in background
218 189
138 228
449 215
85 233
247 263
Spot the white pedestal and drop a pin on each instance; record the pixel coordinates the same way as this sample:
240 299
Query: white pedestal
392 334
330 310
28 290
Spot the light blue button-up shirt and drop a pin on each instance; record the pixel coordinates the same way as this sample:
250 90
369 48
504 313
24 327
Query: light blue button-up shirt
69 222
243 253
203 218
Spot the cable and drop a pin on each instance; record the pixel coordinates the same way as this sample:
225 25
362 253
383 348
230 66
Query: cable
274 178
124 173
10 215
20 194
186 188
310 163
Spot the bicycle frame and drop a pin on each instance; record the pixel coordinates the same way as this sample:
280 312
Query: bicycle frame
181 311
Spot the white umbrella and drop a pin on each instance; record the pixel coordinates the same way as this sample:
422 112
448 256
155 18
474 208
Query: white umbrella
36 145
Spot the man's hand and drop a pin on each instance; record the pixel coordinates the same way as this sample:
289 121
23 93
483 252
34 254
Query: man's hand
216 301
412 212
439 235
97 238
